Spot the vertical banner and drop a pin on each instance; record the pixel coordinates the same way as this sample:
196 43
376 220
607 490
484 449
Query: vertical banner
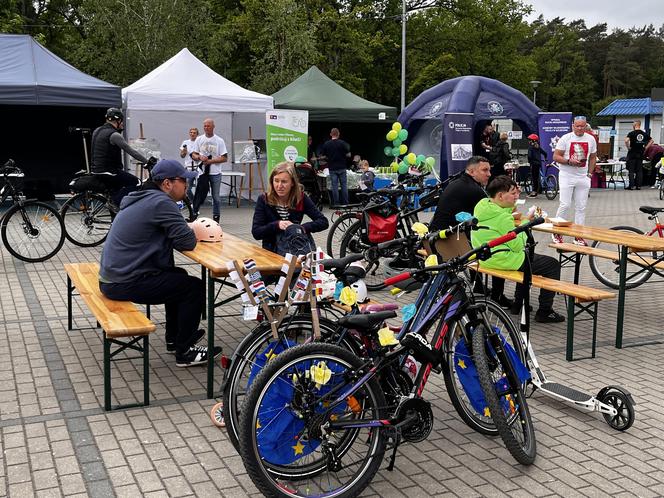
458 128
552 126
286 133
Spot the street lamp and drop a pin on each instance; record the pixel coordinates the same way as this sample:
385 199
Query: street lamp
535 84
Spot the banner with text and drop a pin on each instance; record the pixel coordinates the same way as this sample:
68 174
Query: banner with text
458 128
552 126
286 133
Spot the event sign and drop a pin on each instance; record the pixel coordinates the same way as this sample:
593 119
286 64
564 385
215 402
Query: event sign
458 128
286 133
552 126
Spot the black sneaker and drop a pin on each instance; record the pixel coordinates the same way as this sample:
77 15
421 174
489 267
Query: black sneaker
216 218
197 355
549 316
505 302
198 335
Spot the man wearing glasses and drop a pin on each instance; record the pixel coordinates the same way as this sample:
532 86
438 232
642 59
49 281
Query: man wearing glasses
576 154
137 260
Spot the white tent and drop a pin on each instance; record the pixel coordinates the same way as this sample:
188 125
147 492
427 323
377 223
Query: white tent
180 94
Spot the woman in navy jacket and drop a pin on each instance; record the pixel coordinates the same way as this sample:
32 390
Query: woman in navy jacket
284 204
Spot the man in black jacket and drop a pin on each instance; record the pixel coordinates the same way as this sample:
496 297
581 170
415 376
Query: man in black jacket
461 195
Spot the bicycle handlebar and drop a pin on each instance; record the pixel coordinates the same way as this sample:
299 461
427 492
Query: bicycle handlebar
477 252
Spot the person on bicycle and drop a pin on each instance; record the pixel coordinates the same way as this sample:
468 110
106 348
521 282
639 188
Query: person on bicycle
107 147
495 218
535 153
137 260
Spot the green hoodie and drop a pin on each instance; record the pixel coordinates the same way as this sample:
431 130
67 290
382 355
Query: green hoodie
495 221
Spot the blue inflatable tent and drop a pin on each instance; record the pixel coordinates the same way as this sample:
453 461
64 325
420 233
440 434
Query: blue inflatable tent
446 120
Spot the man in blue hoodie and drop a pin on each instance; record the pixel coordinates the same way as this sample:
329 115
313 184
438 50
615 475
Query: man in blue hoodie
137 262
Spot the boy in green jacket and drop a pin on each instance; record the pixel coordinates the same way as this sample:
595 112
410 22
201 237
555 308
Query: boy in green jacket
495 213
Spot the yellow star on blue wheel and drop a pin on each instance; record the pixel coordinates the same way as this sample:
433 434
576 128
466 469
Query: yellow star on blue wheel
258 424
461 363
298 448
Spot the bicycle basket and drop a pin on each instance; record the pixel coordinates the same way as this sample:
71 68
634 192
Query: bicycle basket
379 223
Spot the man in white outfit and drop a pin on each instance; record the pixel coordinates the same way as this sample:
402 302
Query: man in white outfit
576 154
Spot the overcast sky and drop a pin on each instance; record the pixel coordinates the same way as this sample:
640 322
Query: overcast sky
615 13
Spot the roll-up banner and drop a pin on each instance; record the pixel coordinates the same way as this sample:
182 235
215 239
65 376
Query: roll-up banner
552 126
458 128
286 134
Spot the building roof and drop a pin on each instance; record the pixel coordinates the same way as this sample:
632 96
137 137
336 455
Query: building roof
633 107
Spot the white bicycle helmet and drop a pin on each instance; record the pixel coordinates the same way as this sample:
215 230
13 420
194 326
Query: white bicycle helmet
206 230
360 289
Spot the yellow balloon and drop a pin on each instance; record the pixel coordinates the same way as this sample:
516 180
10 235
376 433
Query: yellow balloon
348 296
396 126
403 148
391 135
394 167
411 158
420 228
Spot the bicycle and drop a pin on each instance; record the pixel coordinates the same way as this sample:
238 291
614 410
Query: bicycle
548 181
637 272
31 230
317 423
88 214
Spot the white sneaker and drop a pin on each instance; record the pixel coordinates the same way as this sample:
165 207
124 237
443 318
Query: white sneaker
557 239
580 242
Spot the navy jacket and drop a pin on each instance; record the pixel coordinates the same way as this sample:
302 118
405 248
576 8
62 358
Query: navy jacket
265 226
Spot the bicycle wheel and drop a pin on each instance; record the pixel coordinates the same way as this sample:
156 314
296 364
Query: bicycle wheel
87 219
187 210
504 396
550 187
352 244
607 271
283 443
251 355
32 232
456 359
337 231
661 190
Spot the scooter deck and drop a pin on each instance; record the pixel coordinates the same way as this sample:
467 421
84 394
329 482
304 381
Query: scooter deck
566 392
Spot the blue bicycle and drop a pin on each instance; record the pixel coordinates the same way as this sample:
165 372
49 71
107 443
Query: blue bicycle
548 179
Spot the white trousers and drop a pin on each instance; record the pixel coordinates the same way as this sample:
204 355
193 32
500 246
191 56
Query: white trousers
573 186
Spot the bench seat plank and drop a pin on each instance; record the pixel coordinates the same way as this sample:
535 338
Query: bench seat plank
607 254
117 318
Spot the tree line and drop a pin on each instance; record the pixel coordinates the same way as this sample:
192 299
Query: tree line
265 44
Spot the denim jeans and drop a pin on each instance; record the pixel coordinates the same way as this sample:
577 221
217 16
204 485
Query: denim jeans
213 182
336 176
190 186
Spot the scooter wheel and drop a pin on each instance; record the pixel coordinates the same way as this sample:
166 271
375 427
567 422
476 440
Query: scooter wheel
624 419
217 415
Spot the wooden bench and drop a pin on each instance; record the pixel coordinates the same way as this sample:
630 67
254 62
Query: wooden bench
118 320
579 251
580 299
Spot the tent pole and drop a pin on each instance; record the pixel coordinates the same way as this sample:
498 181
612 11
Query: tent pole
403 54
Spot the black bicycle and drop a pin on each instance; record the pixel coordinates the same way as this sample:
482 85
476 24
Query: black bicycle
89 213
32 231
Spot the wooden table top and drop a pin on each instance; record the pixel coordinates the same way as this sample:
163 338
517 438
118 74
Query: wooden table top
632 240
215 255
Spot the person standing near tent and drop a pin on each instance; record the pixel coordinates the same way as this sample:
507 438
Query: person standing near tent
107 145
337 154
636 142
210 150
185 152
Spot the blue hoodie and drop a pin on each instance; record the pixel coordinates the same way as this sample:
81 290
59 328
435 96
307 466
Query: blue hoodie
142 237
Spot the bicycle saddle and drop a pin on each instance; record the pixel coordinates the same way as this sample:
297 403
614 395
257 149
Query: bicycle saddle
651 210
365 321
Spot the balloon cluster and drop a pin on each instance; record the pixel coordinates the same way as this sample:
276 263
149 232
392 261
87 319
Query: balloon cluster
409 160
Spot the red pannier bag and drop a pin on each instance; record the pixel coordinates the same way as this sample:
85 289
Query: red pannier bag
380 228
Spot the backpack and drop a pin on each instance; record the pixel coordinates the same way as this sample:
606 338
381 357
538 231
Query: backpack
295 240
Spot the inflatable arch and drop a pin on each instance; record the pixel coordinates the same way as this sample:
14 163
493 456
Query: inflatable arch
446 120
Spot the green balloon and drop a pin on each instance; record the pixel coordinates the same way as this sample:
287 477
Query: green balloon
387 151
391 135
403 134
431 162
395 151
420 159
396 142
403 168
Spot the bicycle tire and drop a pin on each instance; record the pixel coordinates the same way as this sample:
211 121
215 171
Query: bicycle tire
661 190
87 219
607 270
39 242
499 319
551 187
360 450
236 377
494 370
337 231
351 244
188 210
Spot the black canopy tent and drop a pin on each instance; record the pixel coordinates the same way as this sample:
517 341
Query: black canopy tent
42 100
363 124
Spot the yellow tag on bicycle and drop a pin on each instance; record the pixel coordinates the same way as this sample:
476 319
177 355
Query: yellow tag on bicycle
432 260
320 373
386 337
348 296
420 228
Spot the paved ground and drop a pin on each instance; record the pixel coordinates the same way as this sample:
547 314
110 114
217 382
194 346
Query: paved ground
57 440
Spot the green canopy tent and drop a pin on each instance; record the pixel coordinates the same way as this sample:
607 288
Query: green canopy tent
331 105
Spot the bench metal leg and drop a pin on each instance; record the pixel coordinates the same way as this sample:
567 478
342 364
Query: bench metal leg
621 296
204 279
570 329
107 373
146 370
140 344
70 289
210 331
589 309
